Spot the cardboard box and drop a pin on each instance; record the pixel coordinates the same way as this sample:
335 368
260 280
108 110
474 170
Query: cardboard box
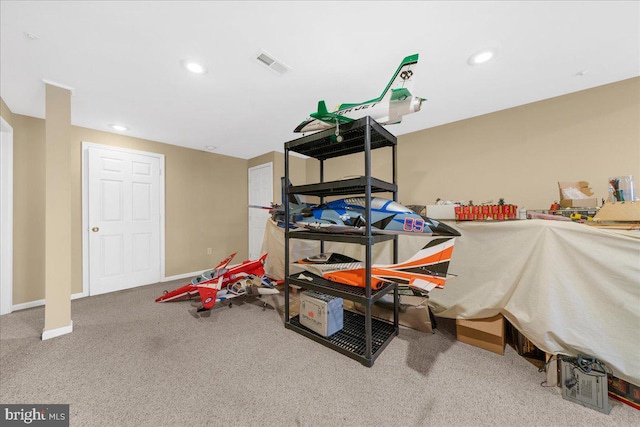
441 211
321 313
579 203
484 333
624 391
413 312
619 211
582 187
524 346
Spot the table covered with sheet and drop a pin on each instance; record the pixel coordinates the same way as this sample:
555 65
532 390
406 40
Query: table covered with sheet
569 288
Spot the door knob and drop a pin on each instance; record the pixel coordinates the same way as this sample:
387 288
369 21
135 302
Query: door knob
95 229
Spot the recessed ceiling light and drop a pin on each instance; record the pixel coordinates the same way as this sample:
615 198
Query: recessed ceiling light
194 66
119 128
481 57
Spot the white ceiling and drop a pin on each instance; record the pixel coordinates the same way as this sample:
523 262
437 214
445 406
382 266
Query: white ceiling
123 61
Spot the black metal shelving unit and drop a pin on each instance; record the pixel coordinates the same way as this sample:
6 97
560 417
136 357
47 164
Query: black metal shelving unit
362 337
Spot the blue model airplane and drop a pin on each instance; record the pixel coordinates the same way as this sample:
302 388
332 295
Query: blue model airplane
387 217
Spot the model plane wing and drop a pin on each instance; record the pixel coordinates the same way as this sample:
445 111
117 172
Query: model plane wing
184 292
207 297
400 93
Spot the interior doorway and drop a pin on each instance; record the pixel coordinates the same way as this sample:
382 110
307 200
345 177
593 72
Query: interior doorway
260 194
123 218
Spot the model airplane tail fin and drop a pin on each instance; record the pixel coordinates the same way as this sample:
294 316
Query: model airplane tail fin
324 115
293 198
426 270
401 83
263 258
226 261
322 108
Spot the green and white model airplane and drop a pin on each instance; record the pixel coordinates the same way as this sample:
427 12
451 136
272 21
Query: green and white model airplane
396 101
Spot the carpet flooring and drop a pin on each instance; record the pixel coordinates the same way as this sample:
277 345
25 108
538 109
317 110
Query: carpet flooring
132 362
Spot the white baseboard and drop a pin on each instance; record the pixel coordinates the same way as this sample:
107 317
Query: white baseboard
40 302
78 295
183 276
26 305
53 333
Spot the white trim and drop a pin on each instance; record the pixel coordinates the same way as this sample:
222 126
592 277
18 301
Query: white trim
85 209
30 304
267 165
53 333
60 85
39 302
6 217
183 276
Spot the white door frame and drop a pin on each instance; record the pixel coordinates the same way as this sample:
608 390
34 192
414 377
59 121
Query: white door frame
268 165
85 207
6 217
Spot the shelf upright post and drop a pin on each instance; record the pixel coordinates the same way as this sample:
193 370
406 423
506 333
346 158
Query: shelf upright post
394 162
286 234
321 197
367 174
396 296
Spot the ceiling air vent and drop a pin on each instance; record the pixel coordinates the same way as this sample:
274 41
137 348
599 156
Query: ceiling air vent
273 63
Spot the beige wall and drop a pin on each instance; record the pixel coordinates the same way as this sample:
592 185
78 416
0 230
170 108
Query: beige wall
205 201
297 170
28 207
205 197
353 165
517 154
520 154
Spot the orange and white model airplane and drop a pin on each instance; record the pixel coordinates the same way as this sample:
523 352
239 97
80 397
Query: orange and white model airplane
424 271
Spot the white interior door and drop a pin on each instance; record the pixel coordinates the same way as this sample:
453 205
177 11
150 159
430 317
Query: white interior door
123 219
260 194
6 217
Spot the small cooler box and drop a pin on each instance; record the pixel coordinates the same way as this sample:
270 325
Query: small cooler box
321 313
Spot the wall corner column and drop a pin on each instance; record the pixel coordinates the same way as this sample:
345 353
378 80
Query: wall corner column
57 238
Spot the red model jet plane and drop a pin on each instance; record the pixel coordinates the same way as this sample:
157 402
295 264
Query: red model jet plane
224 283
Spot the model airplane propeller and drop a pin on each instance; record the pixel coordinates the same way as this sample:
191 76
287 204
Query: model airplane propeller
395 101
224 283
